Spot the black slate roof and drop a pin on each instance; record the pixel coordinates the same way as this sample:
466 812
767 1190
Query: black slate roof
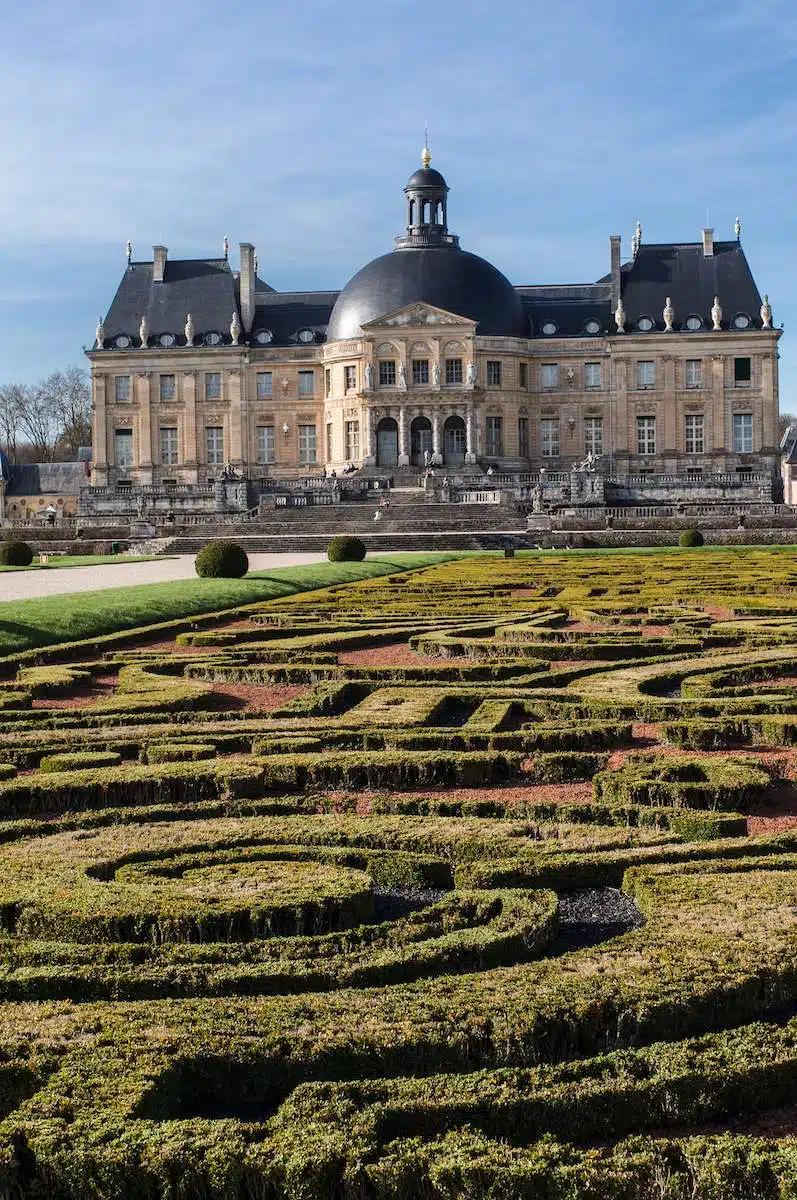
691 279
208 289
37 479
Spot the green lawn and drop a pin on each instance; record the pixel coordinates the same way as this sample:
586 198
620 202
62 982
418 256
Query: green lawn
88 560
26 624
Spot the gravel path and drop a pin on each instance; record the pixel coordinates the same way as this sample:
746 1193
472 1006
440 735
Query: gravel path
25 585
594 915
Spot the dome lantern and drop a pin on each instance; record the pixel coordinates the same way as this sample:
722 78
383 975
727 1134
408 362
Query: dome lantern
427 207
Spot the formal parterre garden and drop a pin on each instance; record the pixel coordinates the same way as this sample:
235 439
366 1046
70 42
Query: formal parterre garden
475 880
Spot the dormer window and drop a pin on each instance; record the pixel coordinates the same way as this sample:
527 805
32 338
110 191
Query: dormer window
592 326
645 324
549 328
263 337
693 323
306 335
213 339
741 321
166 340
122 342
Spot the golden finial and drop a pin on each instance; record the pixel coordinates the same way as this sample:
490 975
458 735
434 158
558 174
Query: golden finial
426 154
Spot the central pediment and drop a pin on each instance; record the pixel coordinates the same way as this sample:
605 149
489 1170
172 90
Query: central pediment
419 314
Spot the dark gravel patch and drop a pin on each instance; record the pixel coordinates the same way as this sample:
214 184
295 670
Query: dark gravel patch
392 903
593 915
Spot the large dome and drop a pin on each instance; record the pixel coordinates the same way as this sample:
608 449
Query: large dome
444 276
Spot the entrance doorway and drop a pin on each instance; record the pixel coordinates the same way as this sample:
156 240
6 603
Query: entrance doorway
420 440
387 443
455 442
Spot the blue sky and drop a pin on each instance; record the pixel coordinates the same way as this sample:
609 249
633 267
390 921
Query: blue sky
294 126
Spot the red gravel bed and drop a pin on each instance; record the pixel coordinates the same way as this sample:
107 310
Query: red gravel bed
253 697
394 654
100 688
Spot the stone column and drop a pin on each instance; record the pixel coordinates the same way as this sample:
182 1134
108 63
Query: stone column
190 457
719 434
100 430
369 455
403 425
233 381
437 431
470 435
144 430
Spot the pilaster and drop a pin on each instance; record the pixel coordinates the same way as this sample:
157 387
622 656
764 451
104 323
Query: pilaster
233 382
190 457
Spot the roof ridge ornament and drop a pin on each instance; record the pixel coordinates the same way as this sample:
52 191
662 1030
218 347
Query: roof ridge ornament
129 250
225 245
716 314
636 241
766 313
669 315
189 330
100 334
737 229
619 316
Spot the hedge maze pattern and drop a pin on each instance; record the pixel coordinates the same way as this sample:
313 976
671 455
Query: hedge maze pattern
473 881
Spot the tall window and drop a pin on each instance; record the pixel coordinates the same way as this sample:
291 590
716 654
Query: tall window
214 445
328 381
645 374
167 387
420 370
593 435
495 436
169 457
549 437
646 435
592 375
306 383
307 444
549 375
350 377
266 444
693 432
453 370
352 432
523 434
742 373
123 444
212 385
493 372
743 433
694 372
121 388
265 385
523 375
387 372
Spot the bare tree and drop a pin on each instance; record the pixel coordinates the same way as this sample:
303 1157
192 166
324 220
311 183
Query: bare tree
38 423
68 395
784 421
12 398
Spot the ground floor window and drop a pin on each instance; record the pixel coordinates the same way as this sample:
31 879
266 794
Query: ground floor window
214 445
694 440
352 441
495 436
549 437
266 444
307 444
646 435
169 455
593 436
743 433
123 443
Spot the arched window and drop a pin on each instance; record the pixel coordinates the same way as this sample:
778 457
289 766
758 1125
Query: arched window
438 214
427 211
412 212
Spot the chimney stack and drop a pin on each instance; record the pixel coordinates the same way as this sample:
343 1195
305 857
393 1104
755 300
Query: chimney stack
158 263
708 243
247 284
614 251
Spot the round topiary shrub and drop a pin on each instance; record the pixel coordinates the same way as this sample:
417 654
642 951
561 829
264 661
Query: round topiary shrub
691 537
221 560
346 549
15 554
